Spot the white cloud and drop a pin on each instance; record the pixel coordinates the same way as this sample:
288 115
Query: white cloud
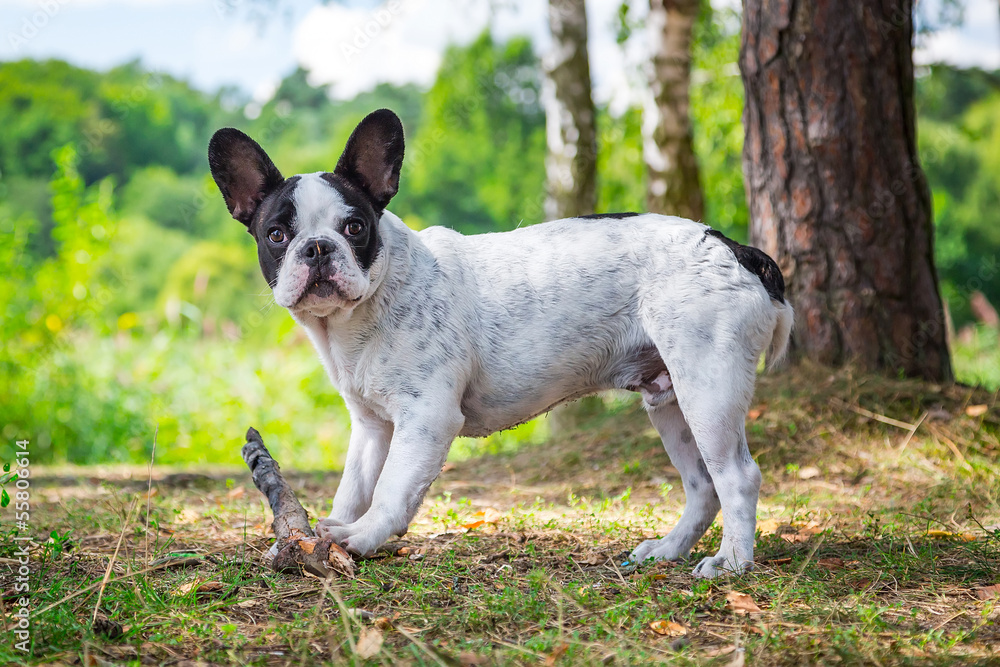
976 43
402 41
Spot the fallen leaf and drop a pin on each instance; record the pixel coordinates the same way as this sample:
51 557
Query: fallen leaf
742 604
831 563
236 492
369 643
668 628
557 653
470 659
202 588
716 652
473 525
988 592
755 413
595 558
976 410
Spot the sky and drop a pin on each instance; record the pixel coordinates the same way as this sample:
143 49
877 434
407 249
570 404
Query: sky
353 44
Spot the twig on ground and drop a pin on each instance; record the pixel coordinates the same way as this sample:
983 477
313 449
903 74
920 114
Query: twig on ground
297 546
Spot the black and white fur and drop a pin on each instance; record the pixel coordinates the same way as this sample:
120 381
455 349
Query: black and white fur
430 335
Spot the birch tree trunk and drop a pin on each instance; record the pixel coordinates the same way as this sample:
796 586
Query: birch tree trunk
834 184
668 150
571 135
570 119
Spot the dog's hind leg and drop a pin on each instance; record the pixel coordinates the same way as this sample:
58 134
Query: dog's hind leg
715 397
701 501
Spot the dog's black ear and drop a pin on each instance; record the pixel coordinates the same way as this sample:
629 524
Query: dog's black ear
374 155
243 172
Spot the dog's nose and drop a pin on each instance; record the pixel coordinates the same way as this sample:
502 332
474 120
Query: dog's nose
316 249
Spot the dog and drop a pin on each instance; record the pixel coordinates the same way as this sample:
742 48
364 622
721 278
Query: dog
432 335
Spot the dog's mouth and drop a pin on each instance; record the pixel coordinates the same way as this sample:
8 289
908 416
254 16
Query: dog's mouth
324 289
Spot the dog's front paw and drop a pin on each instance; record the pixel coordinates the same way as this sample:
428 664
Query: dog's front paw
717 566
325 524
361 537
659 549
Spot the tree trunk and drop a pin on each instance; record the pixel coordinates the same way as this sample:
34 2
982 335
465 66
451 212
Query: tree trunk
667 145
571 134
834 185
570 119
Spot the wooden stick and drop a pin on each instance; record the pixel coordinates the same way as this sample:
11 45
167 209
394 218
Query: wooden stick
297 546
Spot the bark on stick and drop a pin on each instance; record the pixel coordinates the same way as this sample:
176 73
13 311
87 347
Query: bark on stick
297 546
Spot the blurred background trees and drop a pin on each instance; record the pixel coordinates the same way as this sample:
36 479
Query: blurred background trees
129 298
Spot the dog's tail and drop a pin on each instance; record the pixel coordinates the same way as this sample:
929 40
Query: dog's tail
782 332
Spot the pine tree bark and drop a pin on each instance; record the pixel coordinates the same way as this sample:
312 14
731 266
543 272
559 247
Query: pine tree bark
834 184
570 119
668 149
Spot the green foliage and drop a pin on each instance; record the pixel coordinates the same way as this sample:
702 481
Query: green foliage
959 142
716 111
477 163
121 120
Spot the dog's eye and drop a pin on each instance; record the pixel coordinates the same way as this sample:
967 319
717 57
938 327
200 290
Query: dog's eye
353 228
276 236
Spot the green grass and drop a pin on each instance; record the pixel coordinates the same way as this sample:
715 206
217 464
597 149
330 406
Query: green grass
873 548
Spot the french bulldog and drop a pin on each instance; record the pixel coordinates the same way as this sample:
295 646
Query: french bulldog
431 335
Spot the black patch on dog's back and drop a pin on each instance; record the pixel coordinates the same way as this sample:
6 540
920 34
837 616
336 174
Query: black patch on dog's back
758 263
613 216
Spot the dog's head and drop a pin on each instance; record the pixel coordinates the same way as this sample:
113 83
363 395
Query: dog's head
317 234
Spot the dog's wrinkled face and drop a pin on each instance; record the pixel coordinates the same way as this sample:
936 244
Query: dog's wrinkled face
317 234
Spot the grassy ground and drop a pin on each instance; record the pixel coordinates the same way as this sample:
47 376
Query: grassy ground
878 544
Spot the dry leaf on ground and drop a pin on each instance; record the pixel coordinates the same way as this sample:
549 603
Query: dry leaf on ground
557 652
369 643
988 592
742 604
668 628
201 588
976 410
